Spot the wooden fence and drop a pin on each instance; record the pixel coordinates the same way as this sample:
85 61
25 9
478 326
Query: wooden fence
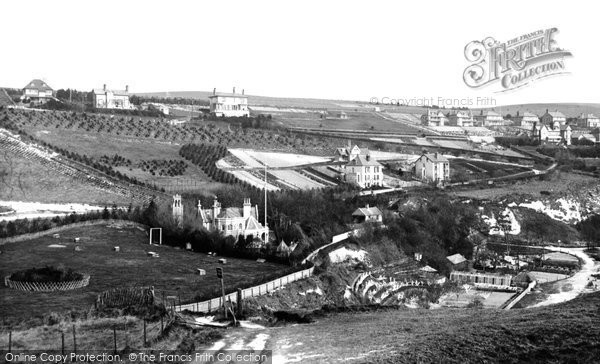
46 286
215 303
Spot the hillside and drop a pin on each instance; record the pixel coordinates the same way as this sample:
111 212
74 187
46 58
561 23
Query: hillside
569 109
568 332
5 100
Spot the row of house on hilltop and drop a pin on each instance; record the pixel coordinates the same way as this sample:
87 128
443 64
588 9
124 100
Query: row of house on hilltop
464 118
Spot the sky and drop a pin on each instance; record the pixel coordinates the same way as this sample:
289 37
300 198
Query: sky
314 49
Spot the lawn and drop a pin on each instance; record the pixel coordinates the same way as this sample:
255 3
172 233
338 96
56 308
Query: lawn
172 274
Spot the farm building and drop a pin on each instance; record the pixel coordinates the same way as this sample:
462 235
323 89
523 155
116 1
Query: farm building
432 167
367 214
526 120
342 115
461 118
481 278
489 118
364 171
37 91
553 117
111 99
458 262
588 121
233 221
434 118
228 104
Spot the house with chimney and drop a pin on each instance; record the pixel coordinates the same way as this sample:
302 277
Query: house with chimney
111 99
461 118
37 91
551 117
525 120
434 118
228 104
349 153
364 171
367 214
489 118
588 121
233 221
432 168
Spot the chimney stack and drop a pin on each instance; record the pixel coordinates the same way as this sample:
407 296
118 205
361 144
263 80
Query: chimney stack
234 90
104 87
243 91
247 209
126 88
214 91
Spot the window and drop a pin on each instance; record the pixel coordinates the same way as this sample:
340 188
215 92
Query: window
223 227
229 227
240 227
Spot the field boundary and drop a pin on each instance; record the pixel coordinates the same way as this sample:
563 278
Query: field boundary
215 303
54 230
46 286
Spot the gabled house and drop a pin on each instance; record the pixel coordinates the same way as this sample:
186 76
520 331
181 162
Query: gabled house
553 133
111 99
434 118
432 167
364 172
489 118
37 91
552 117
233 221
461 118
349 153
526 120
367 214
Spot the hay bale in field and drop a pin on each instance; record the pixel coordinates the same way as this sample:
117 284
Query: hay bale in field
223 261
56 236
78 248
76 240
201 272
153 254
117 249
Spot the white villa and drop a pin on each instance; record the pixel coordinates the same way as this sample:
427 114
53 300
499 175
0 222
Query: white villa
364 171
111 99
489 118
432 167
228 104
553 133
349 153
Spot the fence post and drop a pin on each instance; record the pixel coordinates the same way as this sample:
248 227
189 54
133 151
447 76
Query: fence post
115 338
9 340
74 340
62 342
145 343
239 302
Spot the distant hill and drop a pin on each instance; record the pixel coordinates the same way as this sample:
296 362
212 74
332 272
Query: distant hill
569 109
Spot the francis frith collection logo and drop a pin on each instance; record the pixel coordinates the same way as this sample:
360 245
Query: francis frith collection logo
516 62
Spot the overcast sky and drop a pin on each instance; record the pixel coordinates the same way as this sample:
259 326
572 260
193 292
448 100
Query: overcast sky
320 49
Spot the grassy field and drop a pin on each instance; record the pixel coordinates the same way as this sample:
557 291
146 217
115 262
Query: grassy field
472 169
563 333
568 109
559 183
171 274
30 180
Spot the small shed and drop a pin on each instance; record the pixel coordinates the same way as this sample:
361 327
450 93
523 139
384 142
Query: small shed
458 262
283 250
153 254
367 214
223 261
201 272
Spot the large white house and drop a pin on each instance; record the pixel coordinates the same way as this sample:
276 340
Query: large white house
228 104
526 120
432 167
37 91
364 171
111 99
461 118
489 118
233 221
553 133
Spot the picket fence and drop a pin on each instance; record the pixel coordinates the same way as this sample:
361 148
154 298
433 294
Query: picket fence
215 303
46 286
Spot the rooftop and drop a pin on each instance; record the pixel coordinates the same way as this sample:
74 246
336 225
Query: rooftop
39 85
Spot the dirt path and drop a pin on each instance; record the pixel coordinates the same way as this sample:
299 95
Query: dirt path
573 286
